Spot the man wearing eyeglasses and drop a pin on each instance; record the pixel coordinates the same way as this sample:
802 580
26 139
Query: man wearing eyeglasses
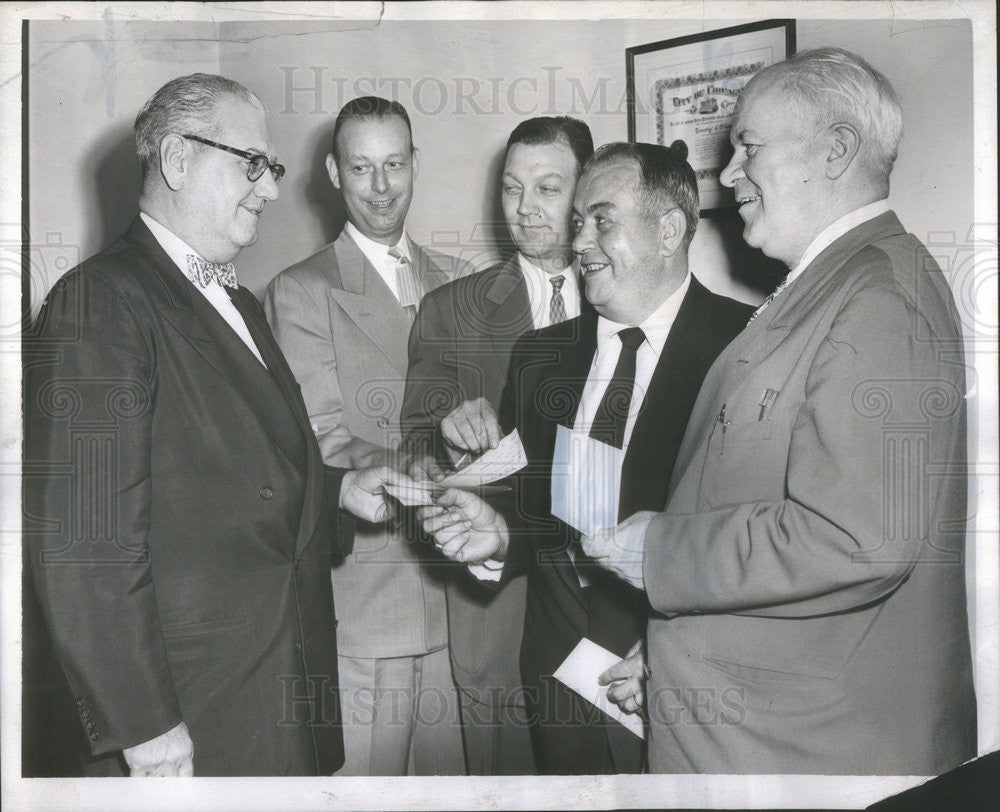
184 518
343 317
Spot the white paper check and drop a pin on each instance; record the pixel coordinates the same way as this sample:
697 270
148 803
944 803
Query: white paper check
507 458
497 463
579 673
412 495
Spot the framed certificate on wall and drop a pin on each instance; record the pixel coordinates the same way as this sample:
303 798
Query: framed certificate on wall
685 89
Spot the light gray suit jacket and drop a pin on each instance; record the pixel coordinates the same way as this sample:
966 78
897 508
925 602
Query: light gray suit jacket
809 566
345 337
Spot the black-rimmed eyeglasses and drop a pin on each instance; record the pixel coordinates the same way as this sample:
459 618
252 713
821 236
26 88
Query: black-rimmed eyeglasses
257 162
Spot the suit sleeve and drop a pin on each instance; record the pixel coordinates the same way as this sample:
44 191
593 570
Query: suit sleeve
300 320
510 505
344 523
842 537
433 389
90 390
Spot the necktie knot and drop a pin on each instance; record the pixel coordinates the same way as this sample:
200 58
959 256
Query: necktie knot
611 417
202 272
632 337
557 282
767 300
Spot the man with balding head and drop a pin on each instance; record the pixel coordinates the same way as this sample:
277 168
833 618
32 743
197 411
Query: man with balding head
613 387
807 572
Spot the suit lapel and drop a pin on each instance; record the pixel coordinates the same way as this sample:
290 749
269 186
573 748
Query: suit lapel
508 313
431 276
271 394
665 408
368 302
307 451
772 326
213 339
567 370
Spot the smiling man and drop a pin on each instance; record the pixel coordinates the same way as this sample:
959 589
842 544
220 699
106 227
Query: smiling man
342 317
808 573
619 382
179 537
459 353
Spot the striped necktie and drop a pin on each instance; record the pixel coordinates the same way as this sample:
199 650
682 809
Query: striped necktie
770 298
407 284
557 307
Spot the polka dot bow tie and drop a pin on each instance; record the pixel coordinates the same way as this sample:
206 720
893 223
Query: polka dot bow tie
203 272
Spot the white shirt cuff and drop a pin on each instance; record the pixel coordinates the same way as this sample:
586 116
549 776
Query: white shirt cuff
488 570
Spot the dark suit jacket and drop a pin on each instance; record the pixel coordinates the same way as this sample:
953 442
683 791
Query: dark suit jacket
548 371
460 346
177 527
459 350
809 565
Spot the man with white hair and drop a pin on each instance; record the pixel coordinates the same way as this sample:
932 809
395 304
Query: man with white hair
807 572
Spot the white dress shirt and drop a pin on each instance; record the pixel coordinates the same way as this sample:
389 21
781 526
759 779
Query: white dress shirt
378 255
540 291
216 295
656 328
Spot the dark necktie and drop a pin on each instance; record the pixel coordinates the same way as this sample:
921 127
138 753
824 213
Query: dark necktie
612 412
557 307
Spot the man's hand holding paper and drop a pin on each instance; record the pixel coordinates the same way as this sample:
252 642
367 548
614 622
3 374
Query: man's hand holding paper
626 679
497 463
465 528
472 426
619 549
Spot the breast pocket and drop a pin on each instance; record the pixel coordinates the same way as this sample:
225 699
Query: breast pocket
745 462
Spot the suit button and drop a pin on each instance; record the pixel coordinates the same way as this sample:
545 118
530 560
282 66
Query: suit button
298 646
382 422
80 702
89 725
266 492
92 736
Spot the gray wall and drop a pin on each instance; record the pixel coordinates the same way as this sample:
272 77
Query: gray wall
466 84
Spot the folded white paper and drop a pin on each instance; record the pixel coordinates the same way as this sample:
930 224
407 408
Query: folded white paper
586 481
579 673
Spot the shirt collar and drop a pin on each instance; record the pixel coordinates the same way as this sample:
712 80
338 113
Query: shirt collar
833 232
537 280
173 246
527 266
376 252
656 325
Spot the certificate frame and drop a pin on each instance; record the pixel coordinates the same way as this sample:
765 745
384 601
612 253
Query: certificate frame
685 89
